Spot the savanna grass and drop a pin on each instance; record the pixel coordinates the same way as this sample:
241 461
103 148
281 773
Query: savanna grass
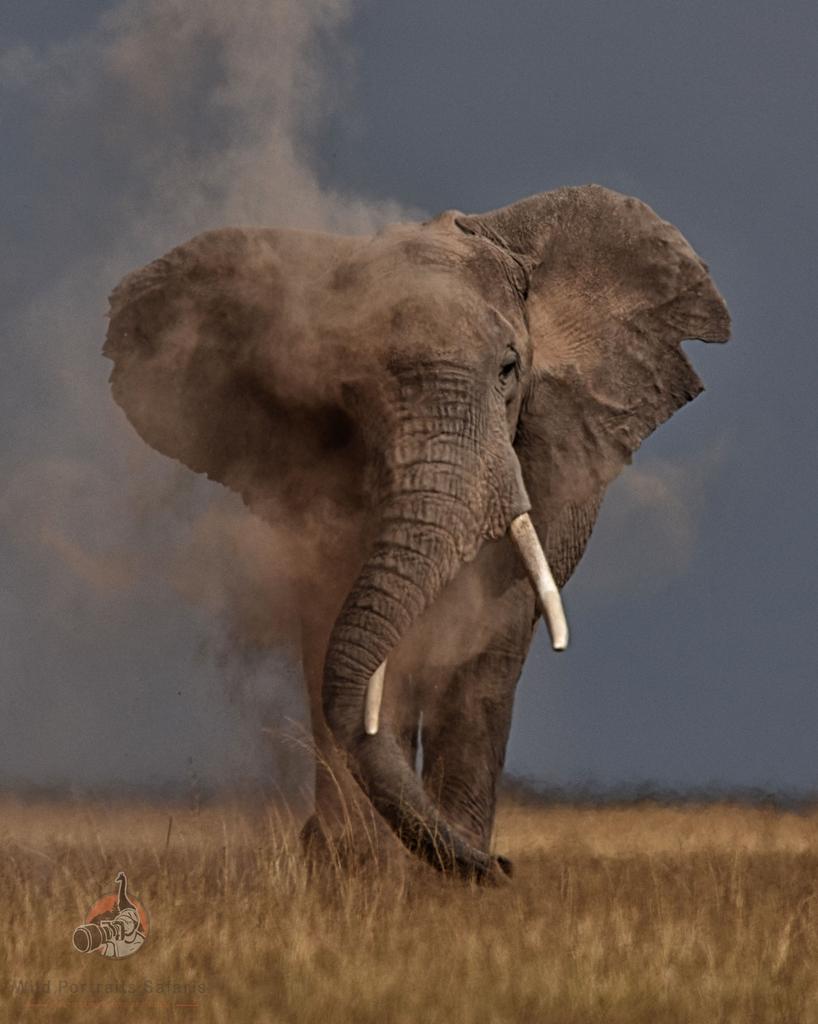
618 914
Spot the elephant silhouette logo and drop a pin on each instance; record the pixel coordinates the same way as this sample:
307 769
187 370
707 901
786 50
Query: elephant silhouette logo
115 926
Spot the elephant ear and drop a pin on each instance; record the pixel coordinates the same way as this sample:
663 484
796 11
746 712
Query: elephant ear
612 292
216 362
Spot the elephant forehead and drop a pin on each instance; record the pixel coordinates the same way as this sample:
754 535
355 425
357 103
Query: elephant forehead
402 259
405 287
397 307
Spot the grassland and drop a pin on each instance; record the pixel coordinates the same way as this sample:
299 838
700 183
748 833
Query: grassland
617 914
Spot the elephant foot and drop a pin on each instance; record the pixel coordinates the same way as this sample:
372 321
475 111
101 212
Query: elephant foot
351 852
375 851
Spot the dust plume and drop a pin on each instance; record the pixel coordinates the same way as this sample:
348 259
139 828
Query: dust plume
161 121
649 525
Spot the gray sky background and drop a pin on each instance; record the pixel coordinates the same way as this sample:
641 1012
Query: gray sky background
128 127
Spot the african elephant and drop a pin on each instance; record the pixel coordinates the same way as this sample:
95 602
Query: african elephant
401 401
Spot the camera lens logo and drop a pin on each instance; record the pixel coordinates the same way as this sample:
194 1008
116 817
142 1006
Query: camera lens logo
116 925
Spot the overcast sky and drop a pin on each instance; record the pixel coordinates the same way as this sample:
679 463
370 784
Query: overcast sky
128 127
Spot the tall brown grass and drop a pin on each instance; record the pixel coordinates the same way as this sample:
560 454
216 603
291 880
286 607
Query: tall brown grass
620 914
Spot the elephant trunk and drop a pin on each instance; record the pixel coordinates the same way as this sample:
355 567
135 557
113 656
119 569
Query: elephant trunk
443 500
453 482
420 548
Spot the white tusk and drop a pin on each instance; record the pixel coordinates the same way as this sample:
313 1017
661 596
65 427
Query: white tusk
374 696
530 550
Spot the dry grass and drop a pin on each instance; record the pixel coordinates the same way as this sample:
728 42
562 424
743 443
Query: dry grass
642 913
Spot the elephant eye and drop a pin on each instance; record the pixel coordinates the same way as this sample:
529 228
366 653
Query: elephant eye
508 366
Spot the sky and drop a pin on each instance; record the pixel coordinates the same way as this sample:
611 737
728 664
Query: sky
129 127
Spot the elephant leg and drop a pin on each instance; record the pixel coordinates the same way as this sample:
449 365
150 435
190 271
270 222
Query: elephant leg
464 738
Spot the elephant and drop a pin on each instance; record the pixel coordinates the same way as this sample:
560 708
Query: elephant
435 412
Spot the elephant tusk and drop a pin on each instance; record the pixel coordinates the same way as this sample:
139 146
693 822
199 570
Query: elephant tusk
533 557
374 696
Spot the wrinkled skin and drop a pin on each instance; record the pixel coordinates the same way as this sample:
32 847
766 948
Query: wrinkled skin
398 400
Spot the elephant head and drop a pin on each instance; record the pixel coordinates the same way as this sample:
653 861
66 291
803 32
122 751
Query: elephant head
433 383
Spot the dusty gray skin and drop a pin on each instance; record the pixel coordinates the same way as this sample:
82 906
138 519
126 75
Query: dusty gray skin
402 398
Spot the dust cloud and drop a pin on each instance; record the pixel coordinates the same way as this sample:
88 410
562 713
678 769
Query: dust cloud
130 583
650 525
